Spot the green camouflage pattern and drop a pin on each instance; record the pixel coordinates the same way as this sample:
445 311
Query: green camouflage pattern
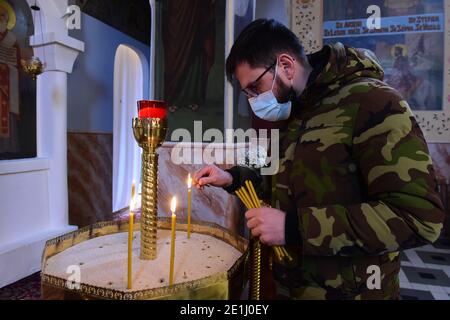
356 168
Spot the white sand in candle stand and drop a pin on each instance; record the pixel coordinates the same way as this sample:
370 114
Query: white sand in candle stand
103 260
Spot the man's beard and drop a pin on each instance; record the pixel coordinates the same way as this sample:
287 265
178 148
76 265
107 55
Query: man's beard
284 92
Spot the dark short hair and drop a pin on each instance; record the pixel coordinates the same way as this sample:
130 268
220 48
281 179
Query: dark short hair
260 43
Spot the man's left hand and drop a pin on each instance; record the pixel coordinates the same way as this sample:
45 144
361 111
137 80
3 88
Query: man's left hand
267 224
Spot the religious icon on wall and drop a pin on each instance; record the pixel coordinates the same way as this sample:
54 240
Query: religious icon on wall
409 43
17 91
190 60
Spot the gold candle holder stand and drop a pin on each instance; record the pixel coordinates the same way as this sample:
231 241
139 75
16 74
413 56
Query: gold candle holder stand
149 133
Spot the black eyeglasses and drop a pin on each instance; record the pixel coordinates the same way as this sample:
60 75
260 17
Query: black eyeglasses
249 91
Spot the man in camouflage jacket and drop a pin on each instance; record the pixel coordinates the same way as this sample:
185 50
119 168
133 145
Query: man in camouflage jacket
356 183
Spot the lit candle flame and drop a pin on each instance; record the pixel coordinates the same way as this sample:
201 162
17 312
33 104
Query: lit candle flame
133 188
133 204
173 205
189 181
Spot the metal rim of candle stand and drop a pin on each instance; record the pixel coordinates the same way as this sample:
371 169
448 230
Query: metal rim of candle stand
86 291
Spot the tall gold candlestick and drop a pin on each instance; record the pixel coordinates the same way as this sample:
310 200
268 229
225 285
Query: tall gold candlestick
173 207
189 206
150 134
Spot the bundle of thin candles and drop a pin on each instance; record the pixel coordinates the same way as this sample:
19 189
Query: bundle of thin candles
248 196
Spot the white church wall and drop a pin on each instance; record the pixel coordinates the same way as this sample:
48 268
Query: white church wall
17 217
92 110
33 192
91 118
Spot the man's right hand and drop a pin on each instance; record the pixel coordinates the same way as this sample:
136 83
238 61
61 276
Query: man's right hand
212 175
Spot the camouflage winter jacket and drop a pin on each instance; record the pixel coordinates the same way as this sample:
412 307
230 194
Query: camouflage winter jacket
356 180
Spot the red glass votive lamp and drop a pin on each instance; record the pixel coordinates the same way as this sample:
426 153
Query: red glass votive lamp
152 109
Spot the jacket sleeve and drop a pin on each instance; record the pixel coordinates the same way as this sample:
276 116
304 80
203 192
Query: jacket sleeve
241 174
403 208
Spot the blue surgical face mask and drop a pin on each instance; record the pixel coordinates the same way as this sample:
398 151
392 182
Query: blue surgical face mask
267 107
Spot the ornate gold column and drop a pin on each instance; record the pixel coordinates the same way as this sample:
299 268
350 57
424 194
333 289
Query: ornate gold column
150 133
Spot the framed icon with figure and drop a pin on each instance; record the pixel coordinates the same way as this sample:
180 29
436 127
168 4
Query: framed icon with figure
17 90
406 36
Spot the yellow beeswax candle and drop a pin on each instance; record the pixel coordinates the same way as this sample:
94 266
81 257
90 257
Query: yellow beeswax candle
173 207
189 183
130 243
